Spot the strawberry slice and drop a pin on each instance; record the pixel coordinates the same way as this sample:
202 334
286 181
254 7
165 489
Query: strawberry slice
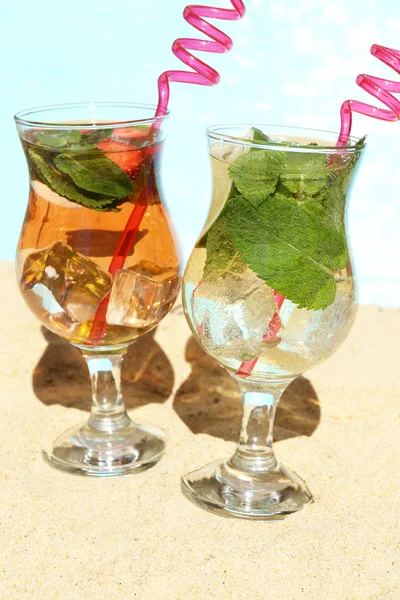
125 155
139 134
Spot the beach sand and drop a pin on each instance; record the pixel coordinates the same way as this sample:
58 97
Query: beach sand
69 537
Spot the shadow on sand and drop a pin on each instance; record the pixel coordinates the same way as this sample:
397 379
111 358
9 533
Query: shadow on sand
209 401
61 376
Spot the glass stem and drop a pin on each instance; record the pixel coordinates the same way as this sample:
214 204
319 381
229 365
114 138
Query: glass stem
254 453
108 410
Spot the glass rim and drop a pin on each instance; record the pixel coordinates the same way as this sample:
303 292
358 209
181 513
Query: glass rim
215 132
20 119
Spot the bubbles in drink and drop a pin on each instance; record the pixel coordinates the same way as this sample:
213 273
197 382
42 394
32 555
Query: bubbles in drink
232 311
316 334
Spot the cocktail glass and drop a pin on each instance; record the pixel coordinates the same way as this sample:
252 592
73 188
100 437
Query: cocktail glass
97 262
269 293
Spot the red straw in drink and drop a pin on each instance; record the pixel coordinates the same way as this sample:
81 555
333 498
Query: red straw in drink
202 74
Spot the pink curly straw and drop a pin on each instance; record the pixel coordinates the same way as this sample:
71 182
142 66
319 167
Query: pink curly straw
381 89
202 74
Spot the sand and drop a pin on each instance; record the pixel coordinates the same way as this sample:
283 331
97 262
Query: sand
69 537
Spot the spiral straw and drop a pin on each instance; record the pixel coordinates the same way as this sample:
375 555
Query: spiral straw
381 89
202 74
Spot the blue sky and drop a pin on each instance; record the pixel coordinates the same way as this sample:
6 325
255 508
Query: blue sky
293 63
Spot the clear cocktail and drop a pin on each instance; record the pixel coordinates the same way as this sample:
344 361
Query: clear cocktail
269 292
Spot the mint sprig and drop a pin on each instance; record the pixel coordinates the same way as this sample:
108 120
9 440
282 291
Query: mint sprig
96 174
72 165
304 175
284 218
256 174
66 188
288 246
59 139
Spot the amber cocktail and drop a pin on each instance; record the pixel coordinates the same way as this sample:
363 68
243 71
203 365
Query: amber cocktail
97 262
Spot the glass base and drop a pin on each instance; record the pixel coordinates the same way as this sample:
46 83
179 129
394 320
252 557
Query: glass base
268 496
88 451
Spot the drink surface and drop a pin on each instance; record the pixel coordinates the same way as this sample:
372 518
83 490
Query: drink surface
270 277
81 196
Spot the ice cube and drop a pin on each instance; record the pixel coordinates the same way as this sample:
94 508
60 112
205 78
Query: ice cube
63 285
316 334
142 295
231 314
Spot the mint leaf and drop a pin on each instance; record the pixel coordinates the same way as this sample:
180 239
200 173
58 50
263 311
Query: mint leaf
97 135
61 139
284 219
256 174
84 148
96 174
288 247
256 135
220 250
361 141
304 174
221 254
66 188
